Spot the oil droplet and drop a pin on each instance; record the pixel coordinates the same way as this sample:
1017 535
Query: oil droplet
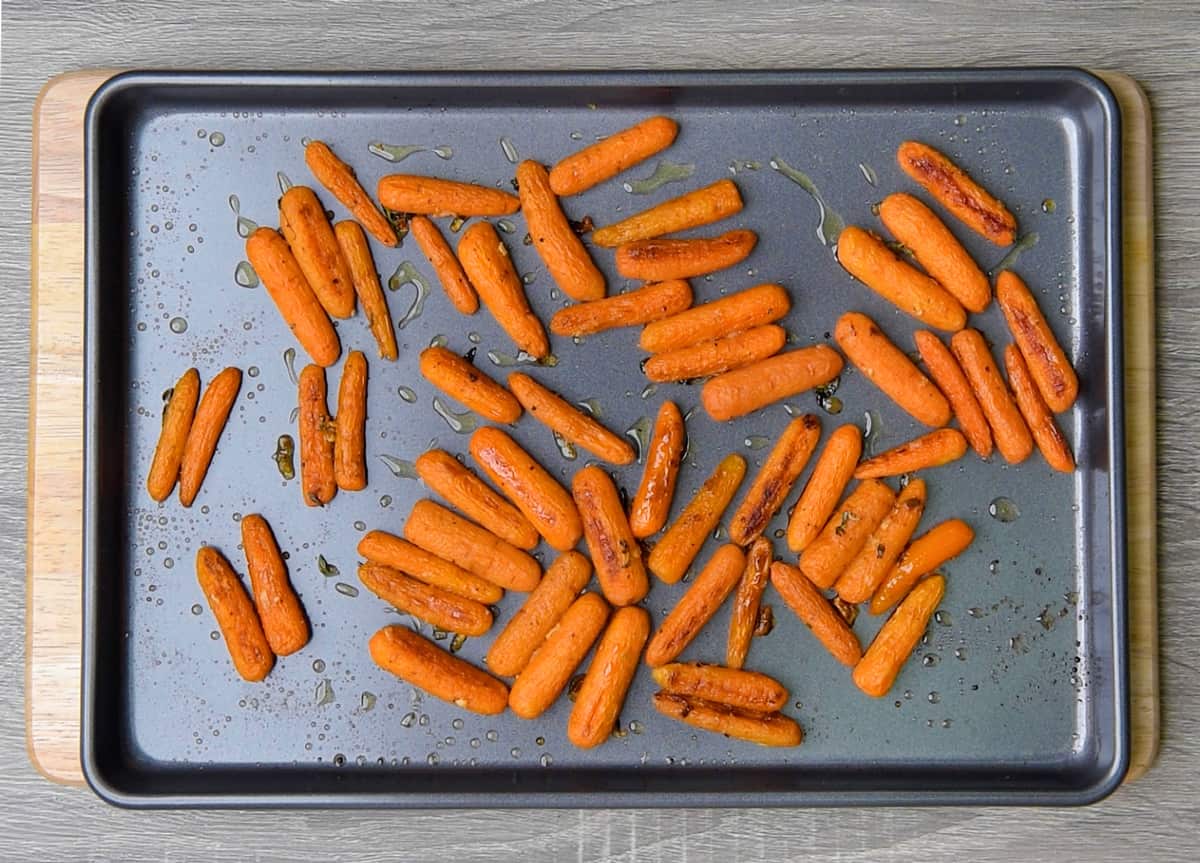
515 752
235 204
244 275
592 406
197 609
1046 619
826 399
872 428
1017 644
1048 205
664 172
407 394
385 500
246 227
576 136
565 448
942 618
289 362
499 358
546 760
438 341
930 659
346 589
407 720
739 165
294 415
639 432
649 390
178 325
443 151
284 181
528 279
1003 510
505 226
1006 263
456 643
830 224
393 152
975 611
406 274
461 423
868 173
217 139
474 337
934 697
324 693
510 152
960 653
285 451
326 568
756 442
399 467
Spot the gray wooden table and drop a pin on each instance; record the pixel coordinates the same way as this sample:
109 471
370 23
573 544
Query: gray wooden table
1157 819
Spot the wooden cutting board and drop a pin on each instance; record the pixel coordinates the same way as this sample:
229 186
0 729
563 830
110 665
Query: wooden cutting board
54 572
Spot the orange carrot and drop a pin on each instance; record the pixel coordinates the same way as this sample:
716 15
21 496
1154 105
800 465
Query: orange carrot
526 483
674 553
353 243
769 729
1008 427
825 485
279 609
1048 364
775 479
659 259
700 207
936 249
349 443
747 601
886 366
866 258
177 422
715 355
207 424
927 552
426 666
894 643
437 607
614 549
929 450
746 690
618 152
816 612
652 501
465 544
846 532
463 382
485 259
650 303
752 307
235 614
745 390
304 225
338 177
957 192
317 431
882 548
1046 433
449 271
549 670
395 552
444 474
609 677
572 424
949 377
543 608
697 606
556 242
431 196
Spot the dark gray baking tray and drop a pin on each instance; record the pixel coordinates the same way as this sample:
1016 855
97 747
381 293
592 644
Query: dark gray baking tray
1018 694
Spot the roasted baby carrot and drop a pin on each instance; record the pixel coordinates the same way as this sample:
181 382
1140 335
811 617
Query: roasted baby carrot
957 192
548 602
485 259
304 225
466 544
816 612
769 729
235 614
614 549
652 501
846 532
605 159
869 260
207 424
650 303
556 242
659 259
775 479
463 382
353 243
926 553
934 449
1008 426
881 550
1046 433
714 356
572 424
444 474
674 553
549 670
350 427
747 690
746 389
275 264
608 678
697 606
410 559
752 307
449 271
949 377
538 496
316 431
432 196
437 607
338 177
936 249
699 207
176 423
426 666
825 485
1048 364
886 366
747 600
894 643
279 609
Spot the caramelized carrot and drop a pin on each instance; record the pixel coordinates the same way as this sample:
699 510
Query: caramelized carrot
658 259
881 550
444 474
279 609
465 544
745 390
437 607
650 303
752 307
431 196
877 670
205 431
353 243
609 677
697 606
614 549
557 244
618 152
674 553
463 382
350 440
927 552
957 192
1008 427
652 501
747 600
176 423
746 690
449 271
338 177
846 532
769 729
235 614
715 355
317 430
828 480
1046 433
548 671
816 612
1048 364
929 450
572 424
775 479
543 608
304 225
949 377
426 666
485 259
700 207
395 552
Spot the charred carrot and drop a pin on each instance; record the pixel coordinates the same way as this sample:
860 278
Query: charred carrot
431 196
1046 433
673 554
207 424
747 601
605 159
350 434
949 377
572 424
894 643
177 422
317 431
426 666
659 259
715 355
700 207
866 258
353 243
463 382
652 501
650 303
745 390
825 485
389 550
936 249
816 612
466 544
770 729
926 553
306 228
449 271
929 450
746 690
437 607
485 259
608 677
614 549
775 479
881 550
235 614
752 307
549 670
444 474
543 608
1008 426
957 192
556 242
279 609
275 264
697 606
338 177
846 532
531 489
1048 364
886 366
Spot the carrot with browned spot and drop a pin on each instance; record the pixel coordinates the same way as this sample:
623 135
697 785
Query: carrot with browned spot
279 609
338 177
235 614
715 356
1048 363
606 158
353 243
316 431
464 382
444 262
658 259
475 549
426 666
743 310
652 500
674 552
846 532
350 426
957 192
691 210
615 551
896 639
549 670
437 607
883 547
746 690
758 384
747 600
543 608
304 225
609 677
455 482
646 304
557 244
1008 426
775 479
825 485
485 259
1046 433
816 612
572 424
697 606
433 196
950 379
934 449
381 547
205 431
926 553
176 423
765 729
